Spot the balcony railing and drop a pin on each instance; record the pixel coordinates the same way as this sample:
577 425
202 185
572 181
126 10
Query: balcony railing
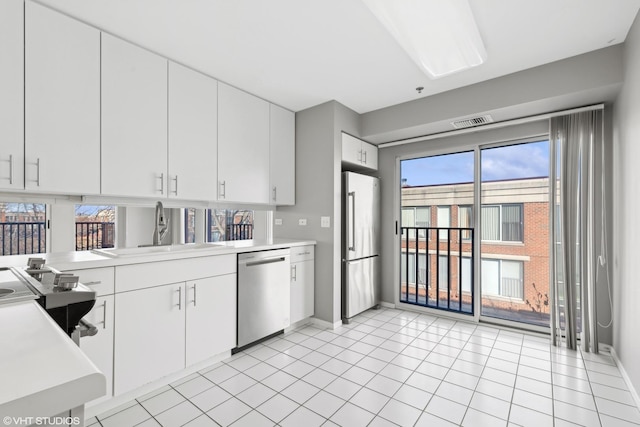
94 235
240 231
22 238
433 270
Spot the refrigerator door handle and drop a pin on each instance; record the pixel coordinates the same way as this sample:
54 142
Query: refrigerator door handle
352 222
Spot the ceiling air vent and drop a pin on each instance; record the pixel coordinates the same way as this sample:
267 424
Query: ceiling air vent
471 122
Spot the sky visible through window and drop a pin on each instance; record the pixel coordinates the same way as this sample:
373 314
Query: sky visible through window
529 160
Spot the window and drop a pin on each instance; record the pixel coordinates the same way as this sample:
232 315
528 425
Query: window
22 228
466 278
443 273
465 220
502 223
189 225
229 224
95 226
444 221
419 216
423 280
503 278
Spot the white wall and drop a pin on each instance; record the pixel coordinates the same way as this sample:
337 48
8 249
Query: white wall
626 229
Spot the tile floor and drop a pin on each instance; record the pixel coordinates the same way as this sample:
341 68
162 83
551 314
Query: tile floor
392 367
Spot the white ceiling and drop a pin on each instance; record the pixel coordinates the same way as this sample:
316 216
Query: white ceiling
300 53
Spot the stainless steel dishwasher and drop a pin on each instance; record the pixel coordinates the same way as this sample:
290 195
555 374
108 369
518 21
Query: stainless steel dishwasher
264 280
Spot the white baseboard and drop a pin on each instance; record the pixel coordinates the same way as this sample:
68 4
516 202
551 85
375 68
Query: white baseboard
121 399
387 304
624 374
326 325
298 324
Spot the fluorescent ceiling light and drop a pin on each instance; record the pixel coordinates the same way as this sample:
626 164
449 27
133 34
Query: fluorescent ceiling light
441 36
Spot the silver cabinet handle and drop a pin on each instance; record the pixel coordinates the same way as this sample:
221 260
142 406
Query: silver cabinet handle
10 169
179 298
275 194
97 282
223 189
195 293
294 270
38 172
104 314
161 177
364 157
351 224
175 191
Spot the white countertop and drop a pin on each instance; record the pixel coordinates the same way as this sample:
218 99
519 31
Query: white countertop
43 372
88 259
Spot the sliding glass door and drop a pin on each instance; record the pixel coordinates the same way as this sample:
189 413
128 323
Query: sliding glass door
514 233
467 236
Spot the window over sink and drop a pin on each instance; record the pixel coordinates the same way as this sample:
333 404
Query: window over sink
220 225
22 228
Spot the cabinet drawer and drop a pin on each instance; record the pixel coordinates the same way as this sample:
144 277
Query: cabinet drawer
101 280
302 253
139 276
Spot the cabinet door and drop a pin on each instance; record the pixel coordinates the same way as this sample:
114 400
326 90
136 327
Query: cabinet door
149 335
369 156
351 149
99 348
62 103
282 156
211 317
11 94
243 147
134 120
193 134
302 290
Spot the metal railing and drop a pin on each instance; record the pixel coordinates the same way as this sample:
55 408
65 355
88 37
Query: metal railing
95 235
239 231
512 288
436 277
17 238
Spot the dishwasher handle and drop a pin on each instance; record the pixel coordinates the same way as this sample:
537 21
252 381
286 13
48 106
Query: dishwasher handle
266 261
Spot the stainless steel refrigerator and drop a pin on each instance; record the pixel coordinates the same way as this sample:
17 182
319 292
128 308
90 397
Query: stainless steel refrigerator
360 244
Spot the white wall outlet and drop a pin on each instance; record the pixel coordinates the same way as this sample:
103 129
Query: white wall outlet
325 221
278 221
302 221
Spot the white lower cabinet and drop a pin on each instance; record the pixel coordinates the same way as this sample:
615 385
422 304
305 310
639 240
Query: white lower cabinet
302 283
150 335
211 317
99 347
170 315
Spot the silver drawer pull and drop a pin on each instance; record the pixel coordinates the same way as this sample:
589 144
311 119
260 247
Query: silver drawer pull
104 315
96 282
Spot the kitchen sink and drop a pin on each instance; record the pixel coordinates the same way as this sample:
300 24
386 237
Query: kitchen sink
161 249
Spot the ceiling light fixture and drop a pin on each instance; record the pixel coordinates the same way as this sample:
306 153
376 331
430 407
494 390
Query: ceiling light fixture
441 36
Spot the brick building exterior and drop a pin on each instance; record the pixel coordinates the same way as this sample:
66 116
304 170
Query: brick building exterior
514 247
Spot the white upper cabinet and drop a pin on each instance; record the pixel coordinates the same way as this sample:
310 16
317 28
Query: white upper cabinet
134 120
193 134
359 153
243 147
282 136
11 94
62 103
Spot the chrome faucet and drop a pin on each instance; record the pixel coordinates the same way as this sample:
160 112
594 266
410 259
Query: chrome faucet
162 225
